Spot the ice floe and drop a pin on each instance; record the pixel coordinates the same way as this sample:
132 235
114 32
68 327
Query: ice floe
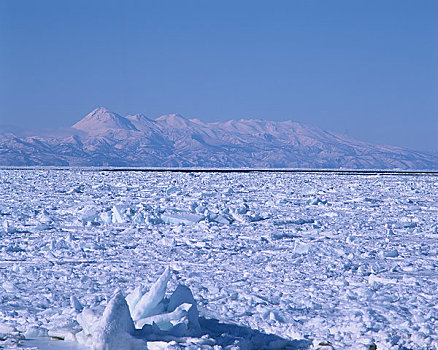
264 265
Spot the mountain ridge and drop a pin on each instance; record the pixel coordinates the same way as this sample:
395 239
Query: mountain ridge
104 137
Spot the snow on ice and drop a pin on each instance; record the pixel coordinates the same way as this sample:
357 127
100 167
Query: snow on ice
162 260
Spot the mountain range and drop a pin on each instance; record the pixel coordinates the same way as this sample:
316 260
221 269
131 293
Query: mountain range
105 138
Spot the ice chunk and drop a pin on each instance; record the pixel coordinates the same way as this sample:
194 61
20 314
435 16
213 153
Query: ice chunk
133 298
88 214
117 217
168 241
276 235
115 329
106 217
75 304
183 295
9 287
317 201
221 219
149 309
242 209
60 243
158 345
184 218
391 253
36 332
88 321
173 190
256 217
77 189
302 248
6 329
167 320
8 228
148 303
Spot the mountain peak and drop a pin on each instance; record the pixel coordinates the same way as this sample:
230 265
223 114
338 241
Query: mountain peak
101 120
142 123
137 118
101 110
173 120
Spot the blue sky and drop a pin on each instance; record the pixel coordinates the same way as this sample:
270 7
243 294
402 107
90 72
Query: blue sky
365 68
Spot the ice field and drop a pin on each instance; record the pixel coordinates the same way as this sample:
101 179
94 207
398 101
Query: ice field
266 260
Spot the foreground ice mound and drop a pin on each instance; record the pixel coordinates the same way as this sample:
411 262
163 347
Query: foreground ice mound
149 303
114 331
127 324
154 319
151 311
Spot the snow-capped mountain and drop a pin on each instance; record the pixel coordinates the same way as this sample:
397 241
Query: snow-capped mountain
101 120
106 138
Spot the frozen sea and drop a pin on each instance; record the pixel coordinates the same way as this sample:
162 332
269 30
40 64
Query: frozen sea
273 259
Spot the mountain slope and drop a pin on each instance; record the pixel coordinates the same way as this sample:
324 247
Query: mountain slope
102 120
106 138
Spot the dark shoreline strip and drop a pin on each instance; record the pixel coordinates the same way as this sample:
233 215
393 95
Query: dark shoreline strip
233 170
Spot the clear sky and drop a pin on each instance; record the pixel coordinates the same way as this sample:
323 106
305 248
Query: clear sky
365 68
